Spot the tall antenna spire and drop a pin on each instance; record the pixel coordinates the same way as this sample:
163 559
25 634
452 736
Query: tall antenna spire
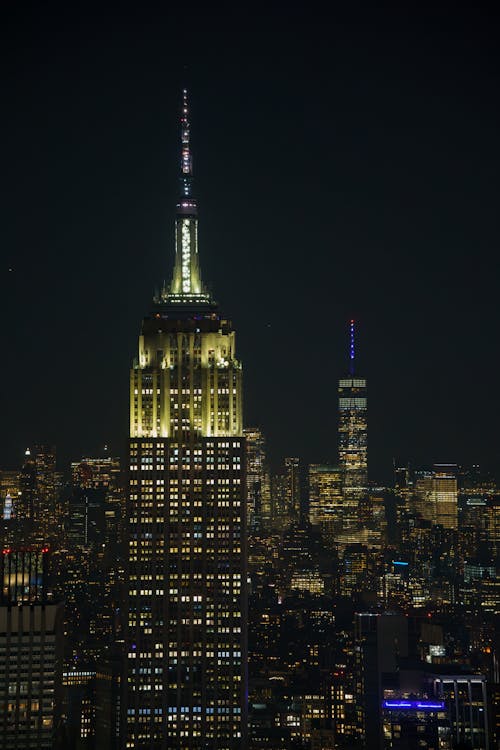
186 286
186 157
351 347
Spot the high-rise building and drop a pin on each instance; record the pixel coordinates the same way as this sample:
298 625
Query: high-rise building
467 701
38 512
87 518
31 640
403 484
91 707
186 649
326 500
354 570
436 495
380 640
444 496
292 474
492 525
27 489
258 480
415 724
97 484
9 493
285 495
9 497
420 498
353 447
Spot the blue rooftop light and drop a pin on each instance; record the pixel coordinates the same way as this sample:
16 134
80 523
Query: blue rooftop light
423 705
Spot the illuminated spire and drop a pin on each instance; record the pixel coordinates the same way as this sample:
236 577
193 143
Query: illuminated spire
186 286
186 157
351 347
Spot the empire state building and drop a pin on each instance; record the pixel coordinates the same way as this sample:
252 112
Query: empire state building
185 677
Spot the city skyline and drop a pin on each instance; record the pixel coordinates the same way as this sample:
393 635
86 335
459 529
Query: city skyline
296 546
378 176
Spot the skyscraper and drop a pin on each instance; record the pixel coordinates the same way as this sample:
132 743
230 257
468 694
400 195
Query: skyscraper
186 631
466 698
37 510
285 495
353 451
326 502
258 479
436 495
292 474
380 640
98 481
31 640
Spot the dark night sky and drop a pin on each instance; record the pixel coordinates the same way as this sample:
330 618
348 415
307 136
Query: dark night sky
345 166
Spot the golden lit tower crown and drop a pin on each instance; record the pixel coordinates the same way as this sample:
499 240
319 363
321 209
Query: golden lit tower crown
186 378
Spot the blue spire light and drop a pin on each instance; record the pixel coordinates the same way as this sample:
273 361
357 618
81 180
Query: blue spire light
351 347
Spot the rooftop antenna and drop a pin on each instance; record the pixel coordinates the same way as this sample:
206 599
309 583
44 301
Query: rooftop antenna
186 157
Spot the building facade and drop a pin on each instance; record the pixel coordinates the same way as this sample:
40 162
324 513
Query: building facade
97 506
186 632
31 640
285 495
379 641
466 698
326 500
436 495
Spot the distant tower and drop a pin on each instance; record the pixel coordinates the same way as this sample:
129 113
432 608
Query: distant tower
292 473
186 655
326 502
353 457
258 480
25 509
9 487
285 495
436 495
37 511
97 483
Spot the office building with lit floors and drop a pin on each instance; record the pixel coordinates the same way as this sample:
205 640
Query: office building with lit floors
257 480
186 653
326 501
31 642
436 495
418 724
467 700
